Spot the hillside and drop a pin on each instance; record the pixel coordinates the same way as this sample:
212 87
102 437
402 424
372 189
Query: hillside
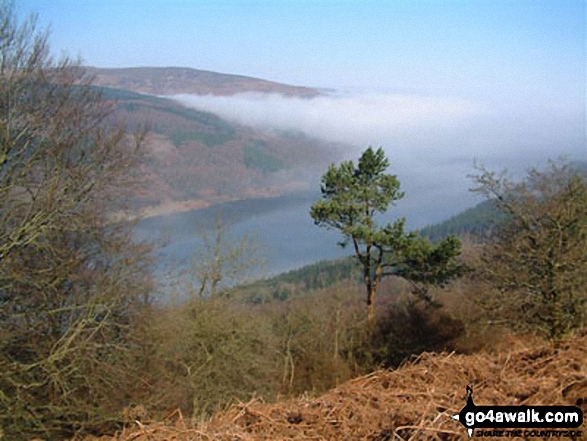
176 80
415 401
300 281
475 222
196 158
478 221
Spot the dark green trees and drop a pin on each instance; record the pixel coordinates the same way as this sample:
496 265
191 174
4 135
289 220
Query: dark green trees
351 198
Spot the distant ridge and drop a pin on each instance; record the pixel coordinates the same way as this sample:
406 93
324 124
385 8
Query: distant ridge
177 80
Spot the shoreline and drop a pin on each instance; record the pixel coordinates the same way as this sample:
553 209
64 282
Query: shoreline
167 208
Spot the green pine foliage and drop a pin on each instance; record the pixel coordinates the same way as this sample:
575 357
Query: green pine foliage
351 198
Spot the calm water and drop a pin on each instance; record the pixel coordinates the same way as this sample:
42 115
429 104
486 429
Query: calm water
281 228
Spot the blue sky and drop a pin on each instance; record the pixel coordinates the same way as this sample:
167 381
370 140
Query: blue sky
447 47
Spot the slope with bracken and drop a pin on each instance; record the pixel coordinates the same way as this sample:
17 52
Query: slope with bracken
413 402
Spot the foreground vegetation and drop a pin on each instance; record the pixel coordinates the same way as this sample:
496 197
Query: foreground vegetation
415 401
84 349
73 288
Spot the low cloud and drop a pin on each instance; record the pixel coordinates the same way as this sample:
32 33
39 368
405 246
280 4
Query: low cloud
356 120
432 141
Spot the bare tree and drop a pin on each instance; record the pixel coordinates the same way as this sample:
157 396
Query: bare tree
220 264
72 284
537 262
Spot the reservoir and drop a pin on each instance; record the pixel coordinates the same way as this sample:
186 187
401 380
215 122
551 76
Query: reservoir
280 228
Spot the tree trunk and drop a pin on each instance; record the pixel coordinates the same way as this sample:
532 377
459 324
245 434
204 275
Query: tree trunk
371 318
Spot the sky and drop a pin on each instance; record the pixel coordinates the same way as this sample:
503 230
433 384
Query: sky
439 83
440 46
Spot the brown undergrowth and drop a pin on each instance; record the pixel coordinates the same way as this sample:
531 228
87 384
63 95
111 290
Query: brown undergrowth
414 402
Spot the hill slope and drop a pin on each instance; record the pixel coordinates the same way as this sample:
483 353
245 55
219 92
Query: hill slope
176 80
413 402
478 221
196 158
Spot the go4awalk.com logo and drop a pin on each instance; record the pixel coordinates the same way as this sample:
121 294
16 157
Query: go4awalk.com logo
520 421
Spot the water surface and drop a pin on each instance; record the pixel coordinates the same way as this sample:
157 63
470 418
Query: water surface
281 228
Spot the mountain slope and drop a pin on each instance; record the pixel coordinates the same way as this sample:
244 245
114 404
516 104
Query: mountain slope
176 80
476 221
196 158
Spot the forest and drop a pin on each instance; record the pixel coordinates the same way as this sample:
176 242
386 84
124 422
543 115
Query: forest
85 350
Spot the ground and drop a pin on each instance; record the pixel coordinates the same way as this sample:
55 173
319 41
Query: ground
414 402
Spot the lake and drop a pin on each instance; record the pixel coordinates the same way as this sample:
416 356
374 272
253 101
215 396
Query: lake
281 227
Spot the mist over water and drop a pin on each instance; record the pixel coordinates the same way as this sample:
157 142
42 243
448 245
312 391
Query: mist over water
432 142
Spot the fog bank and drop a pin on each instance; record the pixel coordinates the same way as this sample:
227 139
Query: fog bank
432 141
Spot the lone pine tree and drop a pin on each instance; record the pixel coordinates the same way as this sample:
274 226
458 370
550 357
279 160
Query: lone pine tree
351 198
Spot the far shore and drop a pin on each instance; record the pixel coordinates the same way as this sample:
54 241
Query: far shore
173 207
168 207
